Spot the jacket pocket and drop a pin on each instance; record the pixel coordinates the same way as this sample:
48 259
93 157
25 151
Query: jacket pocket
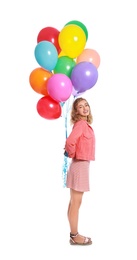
87 136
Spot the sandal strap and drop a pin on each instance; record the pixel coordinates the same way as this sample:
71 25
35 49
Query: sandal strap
86 240
73 235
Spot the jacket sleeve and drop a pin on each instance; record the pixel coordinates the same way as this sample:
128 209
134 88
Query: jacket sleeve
71 141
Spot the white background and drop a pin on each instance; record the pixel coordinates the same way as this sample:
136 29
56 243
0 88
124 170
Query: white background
33 202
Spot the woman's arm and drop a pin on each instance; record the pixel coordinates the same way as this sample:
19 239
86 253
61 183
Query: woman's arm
71 141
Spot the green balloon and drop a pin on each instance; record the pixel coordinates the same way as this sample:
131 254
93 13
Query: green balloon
80 24
64 65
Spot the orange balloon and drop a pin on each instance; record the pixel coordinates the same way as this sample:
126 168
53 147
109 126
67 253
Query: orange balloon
38 80
89 55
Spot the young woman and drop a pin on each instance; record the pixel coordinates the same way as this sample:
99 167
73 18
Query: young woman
80 146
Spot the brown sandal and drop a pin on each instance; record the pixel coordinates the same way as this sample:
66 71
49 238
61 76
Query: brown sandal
87 240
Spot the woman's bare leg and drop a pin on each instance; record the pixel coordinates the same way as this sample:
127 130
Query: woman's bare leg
73 213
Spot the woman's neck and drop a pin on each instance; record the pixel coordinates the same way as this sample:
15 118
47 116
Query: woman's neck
83 118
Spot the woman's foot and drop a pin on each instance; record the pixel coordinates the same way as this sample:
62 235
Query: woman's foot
77 239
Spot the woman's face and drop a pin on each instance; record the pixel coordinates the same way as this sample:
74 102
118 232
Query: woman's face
83 108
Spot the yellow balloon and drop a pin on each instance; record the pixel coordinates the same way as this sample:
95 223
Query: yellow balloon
61 54
72 40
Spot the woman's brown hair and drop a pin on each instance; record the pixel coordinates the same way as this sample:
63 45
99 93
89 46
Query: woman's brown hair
74 117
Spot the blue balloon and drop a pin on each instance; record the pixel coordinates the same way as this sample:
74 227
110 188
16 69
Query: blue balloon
46 55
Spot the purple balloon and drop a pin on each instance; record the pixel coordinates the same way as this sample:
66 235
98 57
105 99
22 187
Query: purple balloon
84 76
75 93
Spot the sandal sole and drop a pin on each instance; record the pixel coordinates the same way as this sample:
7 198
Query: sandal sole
79 244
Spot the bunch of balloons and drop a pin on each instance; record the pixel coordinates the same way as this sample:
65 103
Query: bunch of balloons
66 67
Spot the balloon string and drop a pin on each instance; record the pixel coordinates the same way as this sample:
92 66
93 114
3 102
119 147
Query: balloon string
66 108
65 163
66 126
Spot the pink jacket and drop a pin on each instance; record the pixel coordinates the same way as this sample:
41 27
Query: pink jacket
80 144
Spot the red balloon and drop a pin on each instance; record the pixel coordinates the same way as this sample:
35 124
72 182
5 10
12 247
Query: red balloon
49 34
48 108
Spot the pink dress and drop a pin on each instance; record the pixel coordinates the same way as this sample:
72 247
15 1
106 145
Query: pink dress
78 175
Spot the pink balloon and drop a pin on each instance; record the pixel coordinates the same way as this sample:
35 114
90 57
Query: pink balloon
89 55
59 87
